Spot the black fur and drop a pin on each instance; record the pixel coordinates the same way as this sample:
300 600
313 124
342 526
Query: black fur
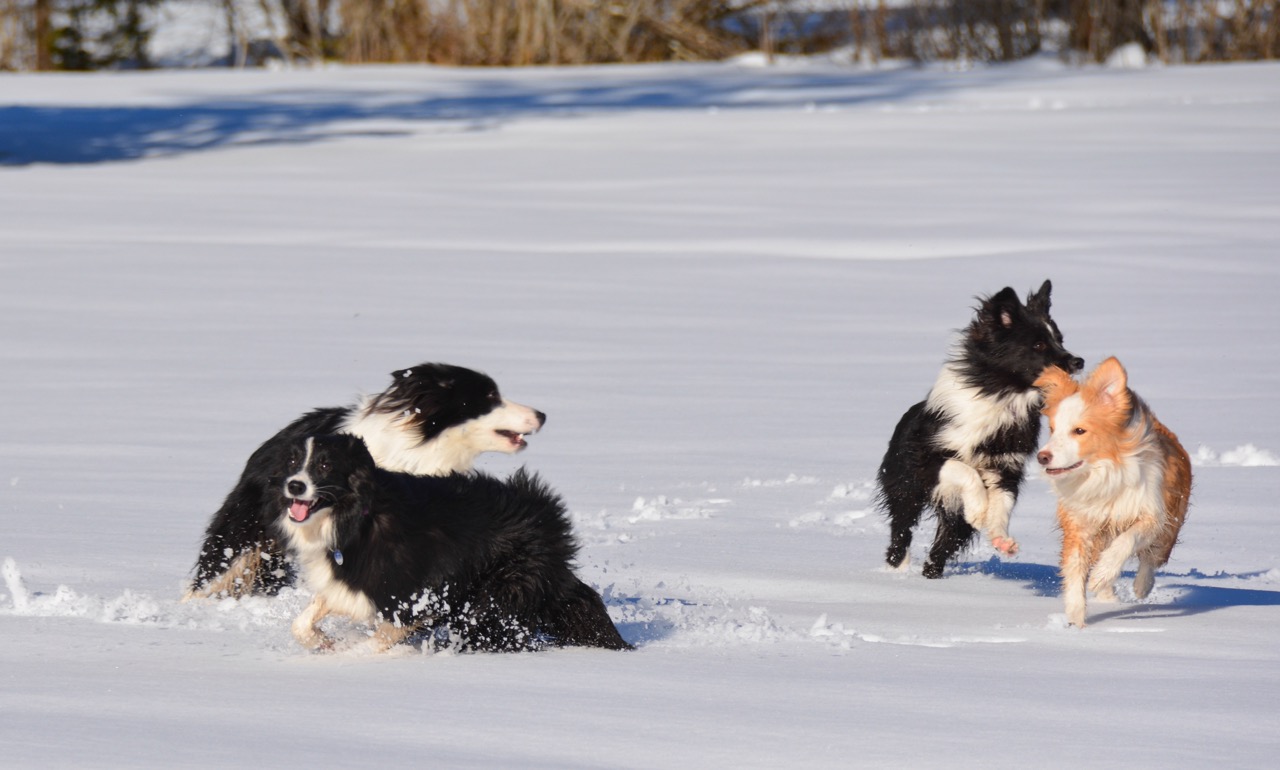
999 357
434 397
490 560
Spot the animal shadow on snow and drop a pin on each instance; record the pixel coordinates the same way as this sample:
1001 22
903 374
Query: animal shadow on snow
1192 598
1041 579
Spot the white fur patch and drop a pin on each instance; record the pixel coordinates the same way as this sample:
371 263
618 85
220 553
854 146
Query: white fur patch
396 447
1062 444
960 486
973 417
302 474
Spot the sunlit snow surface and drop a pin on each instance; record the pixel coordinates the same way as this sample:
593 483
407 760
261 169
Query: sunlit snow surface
723 283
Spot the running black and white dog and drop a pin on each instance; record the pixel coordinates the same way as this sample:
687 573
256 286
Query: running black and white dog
434 419
486 559
963 450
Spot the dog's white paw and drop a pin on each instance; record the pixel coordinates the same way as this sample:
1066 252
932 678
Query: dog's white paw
1103 587
1105 594
1005 545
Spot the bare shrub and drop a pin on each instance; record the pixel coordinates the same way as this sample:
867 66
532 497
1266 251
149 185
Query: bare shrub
520 32
83 34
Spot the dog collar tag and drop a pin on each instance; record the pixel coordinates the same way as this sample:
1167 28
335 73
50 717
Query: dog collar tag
337 557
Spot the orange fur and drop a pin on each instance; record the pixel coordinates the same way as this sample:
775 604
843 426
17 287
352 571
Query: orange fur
1123 482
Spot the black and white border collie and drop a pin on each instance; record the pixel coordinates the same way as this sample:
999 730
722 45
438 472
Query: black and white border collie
485 559
963 450
434 419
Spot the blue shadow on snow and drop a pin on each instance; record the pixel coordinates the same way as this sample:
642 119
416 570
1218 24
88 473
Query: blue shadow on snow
78 134
1193 598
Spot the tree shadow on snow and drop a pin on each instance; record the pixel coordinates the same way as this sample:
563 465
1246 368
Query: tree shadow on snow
76 134
1192 598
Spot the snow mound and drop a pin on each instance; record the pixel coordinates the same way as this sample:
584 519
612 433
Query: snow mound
1247 455
138 608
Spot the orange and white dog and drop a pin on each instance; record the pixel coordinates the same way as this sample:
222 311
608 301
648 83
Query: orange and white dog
1122 479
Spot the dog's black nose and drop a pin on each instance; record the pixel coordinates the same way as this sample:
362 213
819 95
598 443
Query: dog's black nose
1077 364
295 487
542 417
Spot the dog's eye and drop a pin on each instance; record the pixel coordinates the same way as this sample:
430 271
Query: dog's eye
324 467
1039 347
1079 431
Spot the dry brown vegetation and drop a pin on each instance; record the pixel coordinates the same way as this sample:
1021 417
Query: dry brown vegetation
53 34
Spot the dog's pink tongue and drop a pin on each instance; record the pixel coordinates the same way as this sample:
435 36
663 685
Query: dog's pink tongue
299 510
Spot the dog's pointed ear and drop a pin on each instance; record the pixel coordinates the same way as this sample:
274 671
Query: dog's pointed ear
1000 309
1056 385
1039 302
1110 384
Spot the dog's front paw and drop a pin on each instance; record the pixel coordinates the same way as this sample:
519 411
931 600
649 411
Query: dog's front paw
309 636
1103 587
1005 545
316 641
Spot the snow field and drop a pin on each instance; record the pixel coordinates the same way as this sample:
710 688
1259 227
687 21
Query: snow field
723 283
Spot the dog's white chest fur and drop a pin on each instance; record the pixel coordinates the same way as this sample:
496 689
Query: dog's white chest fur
312 545
1115 494
973 417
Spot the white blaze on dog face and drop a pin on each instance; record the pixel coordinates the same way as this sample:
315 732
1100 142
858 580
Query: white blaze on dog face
299 488
1064 448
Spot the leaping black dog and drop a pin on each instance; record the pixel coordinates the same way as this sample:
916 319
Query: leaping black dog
962 451
487 559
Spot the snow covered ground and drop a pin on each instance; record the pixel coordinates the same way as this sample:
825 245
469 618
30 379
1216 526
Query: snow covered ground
723 283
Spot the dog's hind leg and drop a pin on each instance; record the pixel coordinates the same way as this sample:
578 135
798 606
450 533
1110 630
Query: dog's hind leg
582 620
239 556
906 477
388 635
953 534
1146 577
903 505
901 523
238 578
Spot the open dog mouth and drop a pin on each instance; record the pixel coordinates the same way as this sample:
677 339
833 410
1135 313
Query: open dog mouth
517 439
300 510
1060 471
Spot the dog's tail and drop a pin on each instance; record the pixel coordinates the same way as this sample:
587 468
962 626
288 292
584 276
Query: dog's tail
582 621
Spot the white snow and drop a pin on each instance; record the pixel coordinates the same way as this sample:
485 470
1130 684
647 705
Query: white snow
723 283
